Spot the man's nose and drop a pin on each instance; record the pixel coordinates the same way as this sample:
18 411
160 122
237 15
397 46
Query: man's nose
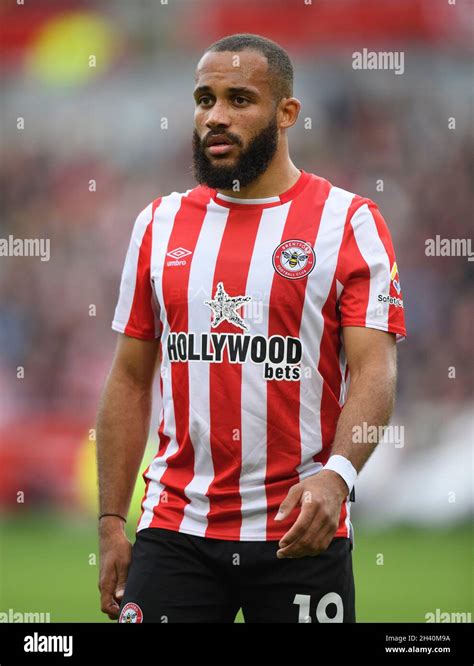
217 117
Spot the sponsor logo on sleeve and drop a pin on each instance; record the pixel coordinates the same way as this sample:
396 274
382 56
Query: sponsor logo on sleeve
391 300
395 278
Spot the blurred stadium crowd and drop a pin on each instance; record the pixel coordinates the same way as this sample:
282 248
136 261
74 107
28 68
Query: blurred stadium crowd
126 124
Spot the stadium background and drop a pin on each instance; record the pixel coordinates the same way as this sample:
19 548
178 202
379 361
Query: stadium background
126 123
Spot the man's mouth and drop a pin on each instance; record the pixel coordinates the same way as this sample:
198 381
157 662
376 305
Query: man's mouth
219 144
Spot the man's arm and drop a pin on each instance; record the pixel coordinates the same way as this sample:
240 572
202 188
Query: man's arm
372 360
371 356
123 423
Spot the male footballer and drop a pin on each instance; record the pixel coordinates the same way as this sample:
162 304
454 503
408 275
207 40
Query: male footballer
256 295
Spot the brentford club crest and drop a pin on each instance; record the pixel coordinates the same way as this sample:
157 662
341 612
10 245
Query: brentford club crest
131 614
294 259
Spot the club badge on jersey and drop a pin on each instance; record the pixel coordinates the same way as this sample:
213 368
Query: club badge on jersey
294 259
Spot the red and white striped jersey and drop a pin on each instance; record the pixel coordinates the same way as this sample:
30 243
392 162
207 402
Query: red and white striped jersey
248 299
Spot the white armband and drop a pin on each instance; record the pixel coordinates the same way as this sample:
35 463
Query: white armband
344 468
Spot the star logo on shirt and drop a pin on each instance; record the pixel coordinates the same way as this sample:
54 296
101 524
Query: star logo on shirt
224 308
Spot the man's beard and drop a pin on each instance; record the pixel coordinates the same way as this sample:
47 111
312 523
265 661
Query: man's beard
251 163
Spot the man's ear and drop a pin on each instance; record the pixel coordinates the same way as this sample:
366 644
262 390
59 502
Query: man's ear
288 112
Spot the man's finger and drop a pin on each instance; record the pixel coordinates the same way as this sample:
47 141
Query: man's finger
289 503
109 606
114 615
298 547
315 541
300 526
121 581
107 586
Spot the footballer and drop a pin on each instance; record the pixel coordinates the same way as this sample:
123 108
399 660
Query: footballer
268 301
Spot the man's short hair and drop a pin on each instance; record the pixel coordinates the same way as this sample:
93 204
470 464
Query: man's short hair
279 63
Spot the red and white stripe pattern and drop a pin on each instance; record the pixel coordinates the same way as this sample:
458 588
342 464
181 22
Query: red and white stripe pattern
232 443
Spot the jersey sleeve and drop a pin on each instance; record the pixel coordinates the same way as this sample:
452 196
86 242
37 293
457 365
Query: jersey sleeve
137 313
368 282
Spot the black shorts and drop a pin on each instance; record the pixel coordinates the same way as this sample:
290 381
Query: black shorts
177 577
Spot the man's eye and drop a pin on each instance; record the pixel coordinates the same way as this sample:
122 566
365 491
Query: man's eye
239 100
204 100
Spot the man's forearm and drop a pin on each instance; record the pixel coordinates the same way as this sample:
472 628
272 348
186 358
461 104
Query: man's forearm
123 423
371 355
370 401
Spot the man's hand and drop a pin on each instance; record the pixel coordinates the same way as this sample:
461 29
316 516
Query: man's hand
115 558
320 496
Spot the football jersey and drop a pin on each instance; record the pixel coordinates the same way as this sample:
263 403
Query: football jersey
248 298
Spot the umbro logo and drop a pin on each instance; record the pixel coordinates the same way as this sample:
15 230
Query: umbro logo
177 255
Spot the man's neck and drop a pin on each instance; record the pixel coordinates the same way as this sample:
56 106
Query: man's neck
273 182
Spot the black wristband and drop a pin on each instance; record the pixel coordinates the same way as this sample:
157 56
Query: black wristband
113 514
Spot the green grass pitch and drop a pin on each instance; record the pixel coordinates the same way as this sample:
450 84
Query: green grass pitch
48 563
